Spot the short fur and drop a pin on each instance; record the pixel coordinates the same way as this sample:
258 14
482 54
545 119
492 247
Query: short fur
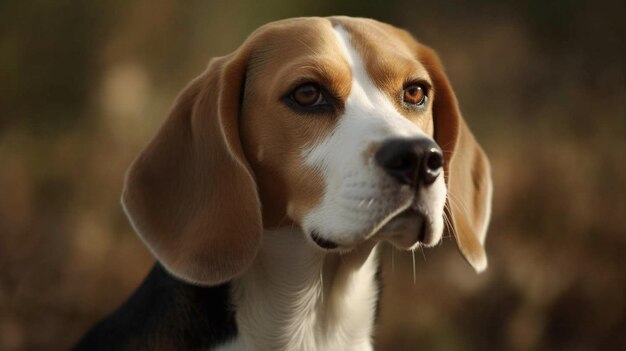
237 187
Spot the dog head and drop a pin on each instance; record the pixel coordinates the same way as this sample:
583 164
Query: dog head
347 128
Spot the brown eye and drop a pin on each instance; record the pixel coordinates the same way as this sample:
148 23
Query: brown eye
415 94
307 95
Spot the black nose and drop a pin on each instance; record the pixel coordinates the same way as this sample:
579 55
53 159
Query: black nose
416 162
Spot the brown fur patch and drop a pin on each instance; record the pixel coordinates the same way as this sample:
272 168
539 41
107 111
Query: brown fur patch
275 136
390 62
190 193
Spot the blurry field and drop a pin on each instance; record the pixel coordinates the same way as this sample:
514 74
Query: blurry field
542 84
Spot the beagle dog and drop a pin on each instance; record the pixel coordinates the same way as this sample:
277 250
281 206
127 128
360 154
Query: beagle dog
278 170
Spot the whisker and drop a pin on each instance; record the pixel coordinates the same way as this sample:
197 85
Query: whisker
449 220
457 201
423 255
413 255
448 223
449 226
322 283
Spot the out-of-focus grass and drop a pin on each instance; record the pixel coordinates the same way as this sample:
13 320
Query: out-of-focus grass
83 87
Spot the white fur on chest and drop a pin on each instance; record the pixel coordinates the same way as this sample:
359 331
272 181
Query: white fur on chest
295 297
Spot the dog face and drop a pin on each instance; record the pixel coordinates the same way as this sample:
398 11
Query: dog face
344 127
317 113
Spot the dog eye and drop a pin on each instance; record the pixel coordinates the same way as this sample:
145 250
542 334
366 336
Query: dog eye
415 94
308 95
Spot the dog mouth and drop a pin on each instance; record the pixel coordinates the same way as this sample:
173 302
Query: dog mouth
405 230
323 243
410 214
408 229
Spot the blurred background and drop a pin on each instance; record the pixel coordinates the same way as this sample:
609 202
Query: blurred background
84 85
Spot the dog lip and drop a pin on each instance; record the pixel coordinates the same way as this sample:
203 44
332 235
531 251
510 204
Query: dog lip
421 236
422 233
323 243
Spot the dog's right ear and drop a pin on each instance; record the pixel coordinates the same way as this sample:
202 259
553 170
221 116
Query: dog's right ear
467 170
190 194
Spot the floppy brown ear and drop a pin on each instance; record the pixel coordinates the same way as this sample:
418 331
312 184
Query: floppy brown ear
190 194
467 170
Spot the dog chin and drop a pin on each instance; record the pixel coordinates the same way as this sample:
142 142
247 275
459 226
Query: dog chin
409 230
406 231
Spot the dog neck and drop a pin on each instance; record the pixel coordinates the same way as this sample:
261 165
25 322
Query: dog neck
297 297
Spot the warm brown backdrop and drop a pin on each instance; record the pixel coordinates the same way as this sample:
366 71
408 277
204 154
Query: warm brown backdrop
83 85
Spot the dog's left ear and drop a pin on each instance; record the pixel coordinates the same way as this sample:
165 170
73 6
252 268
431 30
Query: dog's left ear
467 170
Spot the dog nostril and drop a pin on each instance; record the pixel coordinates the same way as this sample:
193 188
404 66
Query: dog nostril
433 164
434 159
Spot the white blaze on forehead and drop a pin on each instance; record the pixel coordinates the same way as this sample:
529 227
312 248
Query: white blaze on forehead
369 116
365 97
354 200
